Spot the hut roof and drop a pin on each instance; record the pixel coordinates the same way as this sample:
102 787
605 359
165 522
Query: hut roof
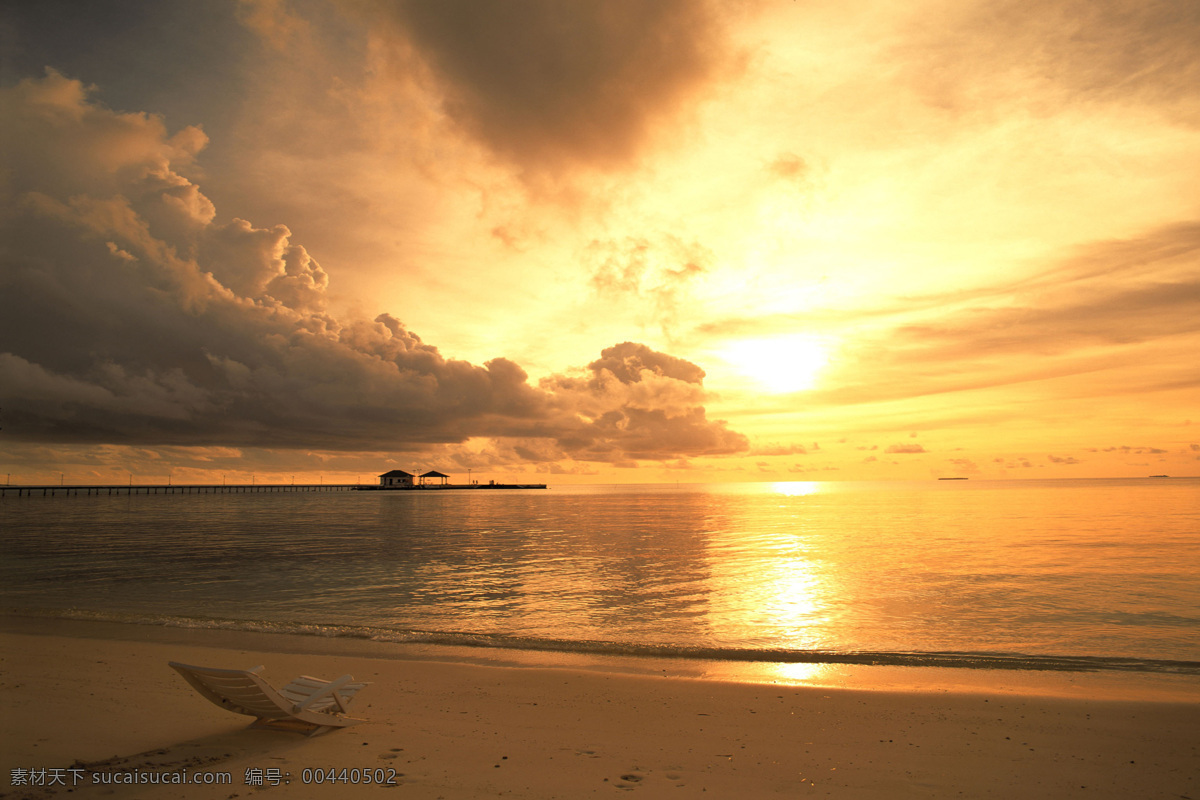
397 473
434 474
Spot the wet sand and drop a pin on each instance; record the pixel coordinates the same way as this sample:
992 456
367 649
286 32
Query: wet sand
110 707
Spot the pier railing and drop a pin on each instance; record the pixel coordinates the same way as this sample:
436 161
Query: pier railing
208 488
60 490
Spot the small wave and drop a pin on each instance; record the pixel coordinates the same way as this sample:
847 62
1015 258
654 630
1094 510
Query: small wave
202 623
957 660
1010 661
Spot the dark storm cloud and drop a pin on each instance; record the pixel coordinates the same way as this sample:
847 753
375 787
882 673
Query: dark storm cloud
546 84
129 316
182 59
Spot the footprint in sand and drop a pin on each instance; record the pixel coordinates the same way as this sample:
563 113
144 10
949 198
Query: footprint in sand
629 780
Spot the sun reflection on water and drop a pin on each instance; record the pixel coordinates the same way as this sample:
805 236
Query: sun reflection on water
796 488
766 583
784 674
802 673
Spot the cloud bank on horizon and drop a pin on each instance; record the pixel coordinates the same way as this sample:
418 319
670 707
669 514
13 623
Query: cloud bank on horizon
130 316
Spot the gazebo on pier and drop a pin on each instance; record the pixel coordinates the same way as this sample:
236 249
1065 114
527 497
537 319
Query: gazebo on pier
434 475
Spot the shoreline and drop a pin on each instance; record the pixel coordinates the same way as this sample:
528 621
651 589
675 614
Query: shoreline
457 725
835 674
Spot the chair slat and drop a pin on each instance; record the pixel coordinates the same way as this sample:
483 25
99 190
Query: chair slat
298 706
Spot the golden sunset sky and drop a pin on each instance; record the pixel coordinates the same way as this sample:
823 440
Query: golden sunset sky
599 241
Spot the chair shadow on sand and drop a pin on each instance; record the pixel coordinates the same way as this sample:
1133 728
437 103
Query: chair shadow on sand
307 706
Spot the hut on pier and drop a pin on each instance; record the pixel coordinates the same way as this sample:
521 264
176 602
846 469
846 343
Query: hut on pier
396 479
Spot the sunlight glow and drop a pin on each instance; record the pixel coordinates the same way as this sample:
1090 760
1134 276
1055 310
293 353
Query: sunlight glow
803 673
779 364
796 488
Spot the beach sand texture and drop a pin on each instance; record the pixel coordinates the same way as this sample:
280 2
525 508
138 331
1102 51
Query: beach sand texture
454 730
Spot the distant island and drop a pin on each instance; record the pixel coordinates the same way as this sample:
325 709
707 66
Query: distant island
953 479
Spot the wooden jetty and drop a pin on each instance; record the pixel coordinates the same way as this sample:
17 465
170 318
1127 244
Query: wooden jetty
193 488
442 487
59 490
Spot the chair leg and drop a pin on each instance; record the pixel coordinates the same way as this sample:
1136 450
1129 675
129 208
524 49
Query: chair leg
288 726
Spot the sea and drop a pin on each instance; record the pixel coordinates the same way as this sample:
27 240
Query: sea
1042 575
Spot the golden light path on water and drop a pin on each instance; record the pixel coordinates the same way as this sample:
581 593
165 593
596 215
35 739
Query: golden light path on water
780 594
789 594
796 488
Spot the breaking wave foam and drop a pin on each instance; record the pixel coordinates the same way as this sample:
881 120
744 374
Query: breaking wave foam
960 660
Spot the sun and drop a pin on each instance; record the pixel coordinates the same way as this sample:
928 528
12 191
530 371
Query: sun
779 364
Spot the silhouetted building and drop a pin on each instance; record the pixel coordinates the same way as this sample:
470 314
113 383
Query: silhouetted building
432 476
396 477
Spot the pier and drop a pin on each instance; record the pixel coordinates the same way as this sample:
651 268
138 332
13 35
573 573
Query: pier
59 490
207 488
444 487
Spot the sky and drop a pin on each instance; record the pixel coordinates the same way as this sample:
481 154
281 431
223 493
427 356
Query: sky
623 241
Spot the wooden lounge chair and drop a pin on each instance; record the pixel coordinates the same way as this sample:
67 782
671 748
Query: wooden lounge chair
306 705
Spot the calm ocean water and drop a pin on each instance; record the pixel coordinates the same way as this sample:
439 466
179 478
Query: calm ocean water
1024 574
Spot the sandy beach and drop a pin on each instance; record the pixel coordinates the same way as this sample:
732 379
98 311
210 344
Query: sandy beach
108 706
